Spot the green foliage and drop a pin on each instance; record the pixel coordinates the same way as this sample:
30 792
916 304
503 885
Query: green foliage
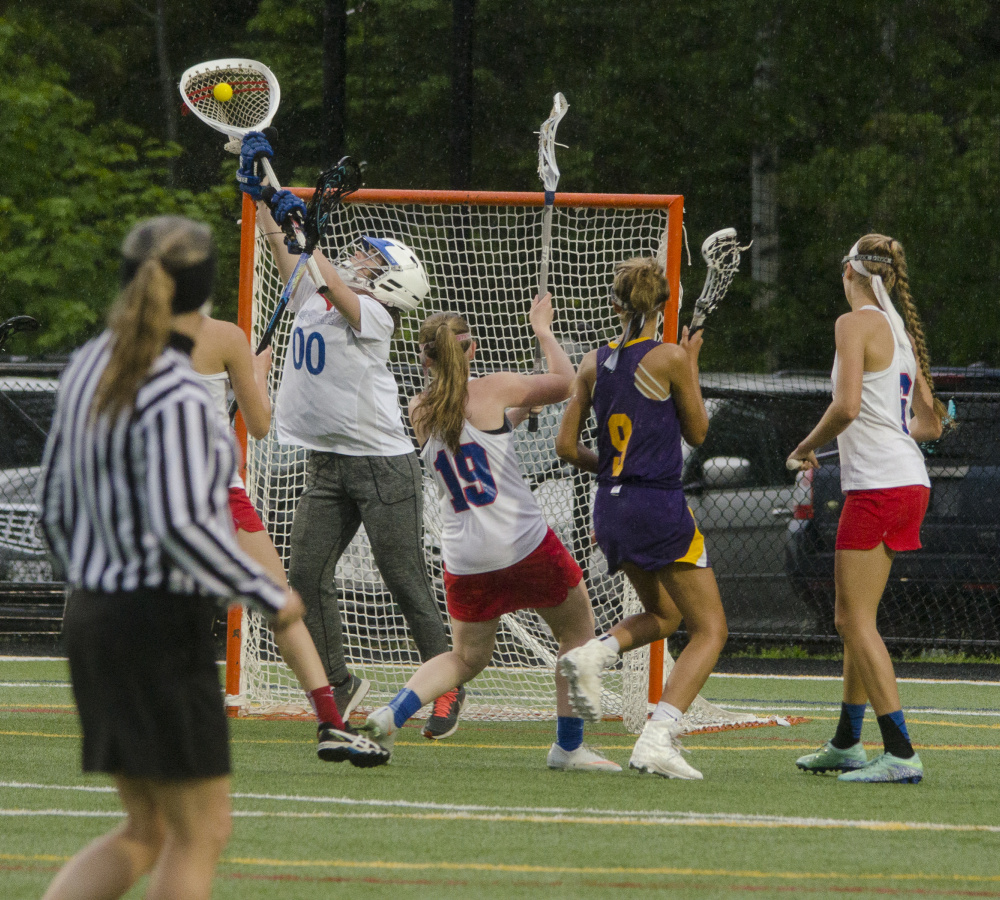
72 188
879 116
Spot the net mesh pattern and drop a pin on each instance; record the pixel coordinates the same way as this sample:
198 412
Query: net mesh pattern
249 105
482 262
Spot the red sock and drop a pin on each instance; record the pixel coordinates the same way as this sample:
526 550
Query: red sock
325 706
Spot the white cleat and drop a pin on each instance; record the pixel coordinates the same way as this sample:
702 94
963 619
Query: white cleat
582 759
583 668
658 752
380 726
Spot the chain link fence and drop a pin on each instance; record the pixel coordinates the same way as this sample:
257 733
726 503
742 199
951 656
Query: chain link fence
770 532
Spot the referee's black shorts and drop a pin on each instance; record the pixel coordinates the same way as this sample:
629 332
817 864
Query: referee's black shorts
146 684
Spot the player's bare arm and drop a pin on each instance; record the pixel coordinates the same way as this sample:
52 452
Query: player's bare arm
569 447
419 431
926 424
674 369
340 295
556 383
853 333
248 377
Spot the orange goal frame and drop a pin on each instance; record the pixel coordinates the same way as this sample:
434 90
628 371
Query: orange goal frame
673 203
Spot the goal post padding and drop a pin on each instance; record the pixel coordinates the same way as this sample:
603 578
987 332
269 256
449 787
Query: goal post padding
481 252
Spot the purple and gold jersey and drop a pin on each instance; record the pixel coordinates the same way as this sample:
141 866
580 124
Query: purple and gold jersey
638 439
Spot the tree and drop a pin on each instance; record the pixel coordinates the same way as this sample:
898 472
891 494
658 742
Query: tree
71 190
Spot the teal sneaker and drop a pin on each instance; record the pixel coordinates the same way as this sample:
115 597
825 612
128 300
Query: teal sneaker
830 759
888 768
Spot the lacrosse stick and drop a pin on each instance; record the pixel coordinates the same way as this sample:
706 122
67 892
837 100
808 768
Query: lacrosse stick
332 186
15 325
721 251
548 171
236 96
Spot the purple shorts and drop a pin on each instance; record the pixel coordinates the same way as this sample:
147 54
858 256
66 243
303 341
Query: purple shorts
646 526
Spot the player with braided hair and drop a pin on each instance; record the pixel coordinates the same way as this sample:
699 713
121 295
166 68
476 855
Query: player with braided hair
499 554
645 397
883 407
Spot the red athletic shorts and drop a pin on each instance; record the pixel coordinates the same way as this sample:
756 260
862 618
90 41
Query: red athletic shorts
539 581
245 517
891 516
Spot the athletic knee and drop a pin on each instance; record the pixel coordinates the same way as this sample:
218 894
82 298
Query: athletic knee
146 835
713 630
473 659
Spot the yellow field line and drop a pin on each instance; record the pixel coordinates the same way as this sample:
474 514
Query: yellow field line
524 868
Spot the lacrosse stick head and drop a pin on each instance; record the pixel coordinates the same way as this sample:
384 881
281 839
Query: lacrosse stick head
254 100
721 252
15 325
388 269
548 171
332 186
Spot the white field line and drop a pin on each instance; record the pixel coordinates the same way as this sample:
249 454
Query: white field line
444 811
839 678
909 710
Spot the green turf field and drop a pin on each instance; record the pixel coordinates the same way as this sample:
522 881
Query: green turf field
479 815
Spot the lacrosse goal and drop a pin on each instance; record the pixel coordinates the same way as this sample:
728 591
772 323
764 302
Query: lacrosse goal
481 252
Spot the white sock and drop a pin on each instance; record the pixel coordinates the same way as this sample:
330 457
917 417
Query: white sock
666 710
611 642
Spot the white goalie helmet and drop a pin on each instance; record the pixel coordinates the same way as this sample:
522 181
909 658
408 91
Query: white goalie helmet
390 270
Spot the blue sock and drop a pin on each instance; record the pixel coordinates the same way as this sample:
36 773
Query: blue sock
856 713
897 717
404 705
569 733
852 717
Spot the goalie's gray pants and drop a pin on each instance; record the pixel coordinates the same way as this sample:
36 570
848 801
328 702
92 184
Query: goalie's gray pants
385 493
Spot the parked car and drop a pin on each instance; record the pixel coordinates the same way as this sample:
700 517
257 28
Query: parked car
949 591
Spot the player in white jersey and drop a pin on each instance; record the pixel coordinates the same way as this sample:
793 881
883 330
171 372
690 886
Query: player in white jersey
339 400
222 357
883 405
499 554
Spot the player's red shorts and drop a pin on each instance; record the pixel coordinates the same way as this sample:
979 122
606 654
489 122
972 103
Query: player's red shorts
245 517
891 516
539 581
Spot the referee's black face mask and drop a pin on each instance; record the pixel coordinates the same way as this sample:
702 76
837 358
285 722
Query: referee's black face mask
193 284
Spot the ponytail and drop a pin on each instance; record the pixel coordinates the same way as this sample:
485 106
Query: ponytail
444 339
167 262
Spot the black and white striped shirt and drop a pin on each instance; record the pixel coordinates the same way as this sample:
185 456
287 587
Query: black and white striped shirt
143 501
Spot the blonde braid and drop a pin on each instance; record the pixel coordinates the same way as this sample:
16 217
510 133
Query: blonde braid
897 282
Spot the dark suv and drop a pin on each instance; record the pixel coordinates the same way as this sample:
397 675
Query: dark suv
949 592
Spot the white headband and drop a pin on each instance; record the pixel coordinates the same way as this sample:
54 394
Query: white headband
881 294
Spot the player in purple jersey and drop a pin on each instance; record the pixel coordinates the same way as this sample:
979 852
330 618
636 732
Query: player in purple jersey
645 397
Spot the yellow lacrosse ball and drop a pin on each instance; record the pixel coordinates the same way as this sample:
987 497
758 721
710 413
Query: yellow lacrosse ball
223 91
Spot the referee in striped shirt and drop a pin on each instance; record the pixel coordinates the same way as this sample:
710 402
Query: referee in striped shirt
135 506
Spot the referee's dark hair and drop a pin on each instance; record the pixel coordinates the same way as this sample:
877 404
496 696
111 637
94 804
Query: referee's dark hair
167 268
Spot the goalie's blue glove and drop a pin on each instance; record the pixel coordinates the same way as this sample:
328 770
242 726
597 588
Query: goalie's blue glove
284 204
254 147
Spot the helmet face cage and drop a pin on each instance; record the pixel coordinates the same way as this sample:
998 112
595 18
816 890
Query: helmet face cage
388 269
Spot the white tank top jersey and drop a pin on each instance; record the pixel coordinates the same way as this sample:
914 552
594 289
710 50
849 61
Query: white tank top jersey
337 394
876 450
490 518
217 386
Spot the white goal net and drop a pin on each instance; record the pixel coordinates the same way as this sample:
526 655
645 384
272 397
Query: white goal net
481 253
